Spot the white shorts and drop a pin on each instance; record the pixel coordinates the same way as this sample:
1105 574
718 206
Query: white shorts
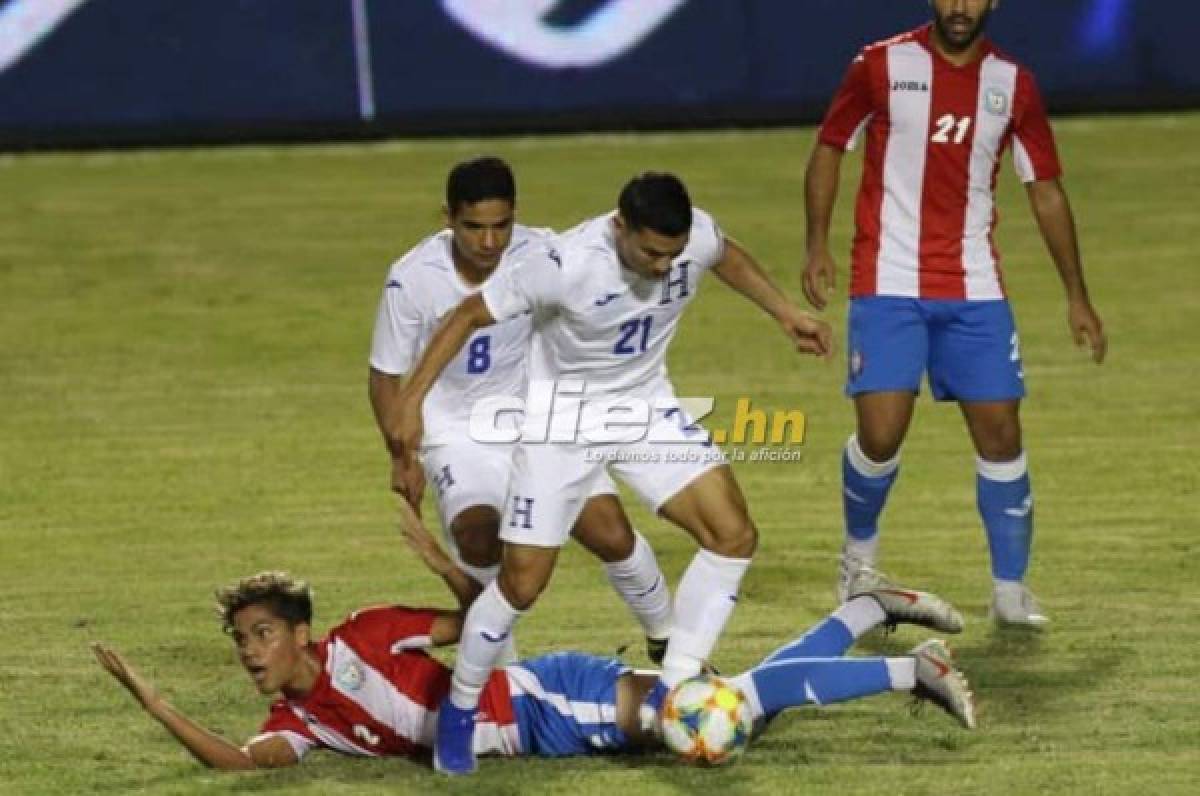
466 474
552 481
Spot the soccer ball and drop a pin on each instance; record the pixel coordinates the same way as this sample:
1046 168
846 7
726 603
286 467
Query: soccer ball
705 720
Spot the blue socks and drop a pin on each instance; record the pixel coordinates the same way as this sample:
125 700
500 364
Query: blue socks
1006 507
865 487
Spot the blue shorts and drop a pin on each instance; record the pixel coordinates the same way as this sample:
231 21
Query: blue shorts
969 348
566 704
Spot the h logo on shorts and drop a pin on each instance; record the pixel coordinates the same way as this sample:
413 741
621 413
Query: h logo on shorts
680 282
522 513
443 480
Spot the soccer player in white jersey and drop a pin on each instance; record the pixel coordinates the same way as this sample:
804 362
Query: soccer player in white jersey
481 241
369 688
606 299
939 106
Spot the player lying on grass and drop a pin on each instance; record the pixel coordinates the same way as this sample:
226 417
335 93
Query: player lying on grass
368 688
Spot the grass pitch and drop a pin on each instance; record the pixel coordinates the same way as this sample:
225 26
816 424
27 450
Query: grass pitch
182 401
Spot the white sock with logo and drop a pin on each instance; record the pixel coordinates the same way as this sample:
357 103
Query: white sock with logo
643 587
484 576
703 604
486 629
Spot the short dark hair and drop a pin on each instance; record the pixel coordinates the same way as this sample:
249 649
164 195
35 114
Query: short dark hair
284 596
480 178
658 201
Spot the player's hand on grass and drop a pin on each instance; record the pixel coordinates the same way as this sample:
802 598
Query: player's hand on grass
116 665
1087 328
810 335
820 277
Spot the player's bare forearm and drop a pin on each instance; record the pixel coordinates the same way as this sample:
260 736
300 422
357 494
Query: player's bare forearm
383 389
1052 210
451 335
820 194
418 537
1057 225
209 748
741 271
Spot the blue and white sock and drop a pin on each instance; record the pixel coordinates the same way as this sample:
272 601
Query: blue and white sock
1006 506
774 687
865 487
833 636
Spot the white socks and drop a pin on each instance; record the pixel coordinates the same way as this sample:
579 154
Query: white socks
486 629
643 587
902 672
484 576
703 604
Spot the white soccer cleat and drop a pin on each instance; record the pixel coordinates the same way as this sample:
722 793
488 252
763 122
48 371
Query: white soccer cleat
906 606
1015 605
851 570
939 682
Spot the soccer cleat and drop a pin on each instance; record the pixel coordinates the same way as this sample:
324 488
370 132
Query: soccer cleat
1015 605
849 572
906 605
942 684
656 648
453 749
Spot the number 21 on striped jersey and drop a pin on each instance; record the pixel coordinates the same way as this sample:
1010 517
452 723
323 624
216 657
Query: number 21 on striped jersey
951 123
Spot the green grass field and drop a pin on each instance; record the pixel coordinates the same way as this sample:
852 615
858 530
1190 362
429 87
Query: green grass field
182 401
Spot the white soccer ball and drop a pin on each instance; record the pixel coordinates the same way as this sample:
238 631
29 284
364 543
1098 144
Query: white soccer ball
705 720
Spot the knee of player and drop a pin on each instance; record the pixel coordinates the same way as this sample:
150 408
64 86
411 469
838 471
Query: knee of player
476 536
521 589
1003 444
608 543
738 540
878 448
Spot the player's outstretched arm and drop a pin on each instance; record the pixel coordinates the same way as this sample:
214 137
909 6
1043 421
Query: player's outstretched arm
1057 224
210 749
820 195
464 588
740 271
406 425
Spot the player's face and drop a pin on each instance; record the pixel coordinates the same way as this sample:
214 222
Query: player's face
270 650
960 22
646 252
482 231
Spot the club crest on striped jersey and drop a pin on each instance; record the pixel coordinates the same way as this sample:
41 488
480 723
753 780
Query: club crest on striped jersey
349 676
996 101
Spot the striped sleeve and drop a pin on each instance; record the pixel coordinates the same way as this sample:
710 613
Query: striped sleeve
391 628
1035 155
283 722
851 108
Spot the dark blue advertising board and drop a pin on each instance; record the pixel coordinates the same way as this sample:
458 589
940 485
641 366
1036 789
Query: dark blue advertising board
95 72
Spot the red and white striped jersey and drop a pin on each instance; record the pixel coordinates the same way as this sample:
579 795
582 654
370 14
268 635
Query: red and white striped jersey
935 136
378 693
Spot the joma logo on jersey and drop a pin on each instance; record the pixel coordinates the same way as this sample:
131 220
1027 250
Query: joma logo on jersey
909 85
